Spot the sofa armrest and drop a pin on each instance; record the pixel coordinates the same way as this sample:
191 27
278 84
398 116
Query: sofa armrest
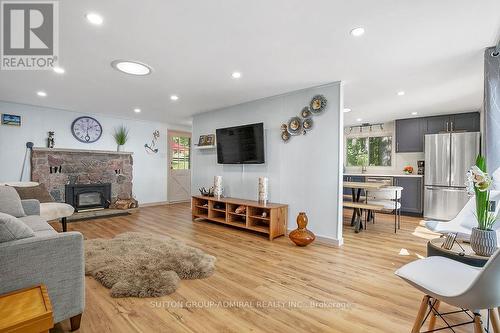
31 206
56 261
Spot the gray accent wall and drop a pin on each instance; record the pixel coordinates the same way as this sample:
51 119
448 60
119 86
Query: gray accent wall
304 173
492 109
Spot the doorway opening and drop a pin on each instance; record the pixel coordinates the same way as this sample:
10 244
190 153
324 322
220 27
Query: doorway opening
179 166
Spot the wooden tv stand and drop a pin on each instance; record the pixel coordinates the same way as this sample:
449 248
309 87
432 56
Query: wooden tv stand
223 211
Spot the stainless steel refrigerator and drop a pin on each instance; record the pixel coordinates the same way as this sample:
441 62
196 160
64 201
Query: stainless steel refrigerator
448 157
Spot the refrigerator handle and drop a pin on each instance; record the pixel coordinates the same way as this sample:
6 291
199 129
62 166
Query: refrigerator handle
447 126
452 125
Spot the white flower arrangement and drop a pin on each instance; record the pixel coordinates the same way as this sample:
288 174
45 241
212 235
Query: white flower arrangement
479 183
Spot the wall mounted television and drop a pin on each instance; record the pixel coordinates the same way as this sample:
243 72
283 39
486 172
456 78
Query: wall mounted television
241 144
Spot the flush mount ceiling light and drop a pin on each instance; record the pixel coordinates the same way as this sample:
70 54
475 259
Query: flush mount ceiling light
357 32
174 97
58 70
401 93
359 119
131 67
42 93
347 110
414 113
236 75
137 110
94 18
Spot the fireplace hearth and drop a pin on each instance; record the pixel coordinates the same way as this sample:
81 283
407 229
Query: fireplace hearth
85 197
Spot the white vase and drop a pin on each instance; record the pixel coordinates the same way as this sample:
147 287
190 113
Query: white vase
263 190
119 148
483 242
218 187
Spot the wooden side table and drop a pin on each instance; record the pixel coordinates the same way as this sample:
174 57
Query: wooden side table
26 310
467 255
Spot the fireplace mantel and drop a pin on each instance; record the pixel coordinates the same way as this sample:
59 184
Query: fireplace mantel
81 151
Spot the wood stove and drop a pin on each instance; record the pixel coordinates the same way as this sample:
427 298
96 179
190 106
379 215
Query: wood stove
85 197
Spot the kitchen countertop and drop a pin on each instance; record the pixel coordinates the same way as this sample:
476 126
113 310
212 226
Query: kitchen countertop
381 174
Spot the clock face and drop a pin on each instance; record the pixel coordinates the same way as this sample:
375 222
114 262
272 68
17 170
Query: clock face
86 129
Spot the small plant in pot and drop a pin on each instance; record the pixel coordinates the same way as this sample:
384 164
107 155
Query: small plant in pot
483 239
121 137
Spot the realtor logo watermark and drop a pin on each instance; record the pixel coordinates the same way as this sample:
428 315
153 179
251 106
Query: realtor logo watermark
29 35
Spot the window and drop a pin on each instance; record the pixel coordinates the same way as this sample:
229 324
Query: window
369 151
180 153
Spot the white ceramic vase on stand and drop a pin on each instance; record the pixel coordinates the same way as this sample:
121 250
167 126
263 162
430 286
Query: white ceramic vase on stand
263 190
218 187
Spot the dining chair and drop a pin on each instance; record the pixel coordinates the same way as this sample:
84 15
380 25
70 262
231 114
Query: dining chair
390 198
445 280
466 219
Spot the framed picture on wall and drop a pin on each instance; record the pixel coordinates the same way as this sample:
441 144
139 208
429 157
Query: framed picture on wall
202 140
11 119
210 140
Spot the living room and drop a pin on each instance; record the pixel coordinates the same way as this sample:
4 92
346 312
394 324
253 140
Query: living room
218 175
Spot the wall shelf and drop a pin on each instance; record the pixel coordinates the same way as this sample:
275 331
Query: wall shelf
205 147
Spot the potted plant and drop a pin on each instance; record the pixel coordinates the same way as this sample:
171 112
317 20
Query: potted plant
408 170
121 137
483 239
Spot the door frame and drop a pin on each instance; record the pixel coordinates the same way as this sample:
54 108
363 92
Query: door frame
171 133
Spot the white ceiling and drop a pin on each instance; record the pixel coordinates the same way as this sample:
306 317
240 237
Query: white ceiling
431 49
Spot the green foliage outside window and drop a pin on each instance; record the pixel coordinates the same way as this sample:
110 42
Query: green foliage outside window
372 151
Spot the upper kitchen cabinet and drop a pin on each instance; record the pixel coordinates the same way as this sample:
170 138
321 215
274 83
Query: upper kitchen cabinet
410 135
410 132
469 122
437 124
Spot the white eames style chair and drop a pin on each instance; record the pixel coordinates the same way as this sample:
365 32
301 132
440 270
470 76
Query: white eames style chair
460 285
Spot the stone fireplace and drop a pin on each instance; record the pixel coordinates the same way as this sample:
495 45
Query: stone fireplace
88 196
56 168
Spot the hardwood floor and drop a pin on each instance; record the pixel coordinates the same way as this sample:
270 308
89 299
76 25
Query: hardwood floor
319 288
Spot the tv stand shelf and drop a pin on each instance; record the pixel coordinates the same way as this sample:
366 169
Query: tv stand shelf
270 219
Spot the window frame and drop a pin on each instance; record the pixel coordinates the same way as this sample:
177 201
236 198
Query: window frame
367 136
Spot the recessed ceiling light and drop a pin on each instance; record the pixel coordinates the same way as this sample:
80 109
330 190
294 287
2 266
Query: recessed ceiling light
401 93
58 70
174 97
94 18
359 119
42 93
137 110
414 113
356 32
131 67
346 110
236 75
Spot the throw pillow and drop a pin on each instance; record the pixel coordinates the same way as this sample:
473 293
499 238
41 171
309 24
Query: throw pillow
12 228
10 202
38 192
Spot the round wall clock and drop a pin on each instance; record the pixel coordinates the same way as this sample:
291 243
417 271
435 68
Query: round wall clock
86 129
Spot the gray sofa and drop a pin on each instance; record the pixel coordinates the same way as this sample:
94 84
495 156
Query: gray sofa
42 256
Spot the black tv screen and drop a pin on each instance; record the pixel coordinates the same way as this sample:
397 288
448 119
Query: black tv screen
241 144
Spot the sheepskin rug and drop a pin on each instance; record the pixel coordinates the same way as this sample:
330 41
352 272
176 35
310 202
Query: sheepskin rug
136 264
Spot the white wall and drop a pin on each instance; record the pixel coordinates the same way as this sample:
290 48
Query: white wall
304 173
150 171
399 160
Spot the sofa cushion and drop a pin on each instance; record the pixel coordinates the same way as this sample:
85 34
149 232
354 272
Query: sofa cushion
12 228
44 233
36 223
10 202
38 192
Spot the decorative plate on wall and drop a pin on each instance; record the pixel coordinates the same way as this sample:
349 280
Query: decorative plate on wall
285 136
295 126
86 129
318 104
308 124
306 112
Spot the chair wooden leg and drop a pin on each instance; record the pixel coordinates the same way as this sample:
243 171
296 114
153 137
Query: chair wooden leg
478 326
75 322
433 316
495 321
421 314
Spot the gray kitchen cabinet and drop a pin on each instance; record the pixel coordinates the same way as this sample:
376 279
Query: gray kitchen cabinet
470 122
411 197
410 135
437 124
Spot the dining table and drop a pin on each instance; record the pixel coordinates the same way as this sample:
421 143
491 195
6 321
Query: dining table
356 189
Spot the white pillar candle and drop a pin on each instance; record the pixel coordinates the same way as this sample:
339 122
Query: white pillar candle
218 186
263 190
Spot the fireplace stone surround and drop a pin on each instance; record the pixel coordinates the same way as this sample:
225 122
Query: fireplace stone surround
55 168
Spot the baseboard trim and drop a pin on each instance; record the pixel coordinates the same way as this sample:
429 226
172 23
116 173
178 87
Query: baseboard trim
151 204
